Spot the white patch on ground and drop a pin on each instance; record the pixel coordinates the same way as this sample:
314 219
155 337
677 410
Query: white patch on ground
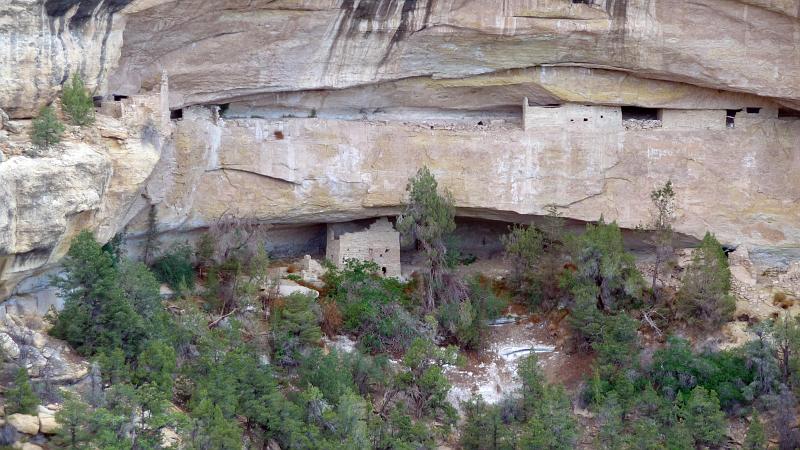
491 373
340 343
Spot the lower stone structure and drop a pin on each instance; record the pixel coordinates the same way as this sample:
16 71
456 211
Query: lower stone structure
379 243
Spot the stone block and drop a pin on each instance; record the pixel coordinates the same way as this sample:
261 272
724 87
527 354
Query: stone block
24 423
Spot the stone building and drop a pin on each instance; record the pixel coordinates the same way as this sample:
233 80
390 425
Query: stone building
578 117
379 243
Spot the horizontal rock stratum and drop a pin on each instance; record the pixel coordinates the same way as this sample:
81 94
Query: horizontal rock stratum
738 183
308 111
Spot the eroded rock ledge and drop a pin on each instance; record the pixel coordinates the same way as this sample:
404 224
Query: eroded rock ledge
736 182
324 108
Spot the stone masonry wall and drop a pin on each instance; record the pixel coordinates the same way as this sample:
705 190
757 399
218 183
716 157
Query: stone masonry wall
379 243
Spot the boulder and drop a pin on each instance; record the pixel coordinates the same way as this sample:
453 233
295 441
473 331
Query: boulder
9 348
289 287
39 340
30 446
47 423
24 423
169 437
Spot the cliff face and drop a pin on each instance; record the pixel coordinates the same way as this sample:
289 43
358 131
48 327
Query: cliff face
737 182
43 41
365 91
217 53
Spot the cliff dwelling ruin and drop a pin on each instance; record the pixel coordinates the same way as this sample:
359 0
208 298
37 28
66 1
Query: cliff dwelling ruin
379 243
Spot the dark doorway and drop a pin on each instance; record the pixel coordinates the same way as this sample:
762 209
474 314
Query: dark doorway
730 117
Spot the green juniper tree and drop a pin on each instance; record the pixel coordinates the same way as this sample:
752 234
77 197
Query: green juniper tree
604 269
785 334
704 298
295 328
547 410
21 398
524 247
483 427
97 317
703 417
46 129
756 438
76 101
73 433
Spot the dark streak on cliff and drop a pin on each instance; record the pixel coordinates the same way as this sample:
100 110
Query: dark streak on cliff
618 10
376 14
86 9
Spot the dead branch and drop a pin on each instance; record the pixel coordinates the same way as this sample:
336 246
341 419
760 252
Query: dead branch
650 322
216 322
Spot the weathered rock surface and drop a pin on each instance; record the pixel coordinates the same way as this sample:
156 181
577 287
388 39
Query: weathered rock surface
24 423
47 423
91 180
42 42
394 69
42 355
218 51
751 47
737 182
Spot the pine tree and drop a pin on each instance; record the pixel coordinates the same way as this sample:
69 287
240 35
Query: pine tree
47 129
547 410
483 427
21 398
295 328
73 418
605 268
703 417
76 101
96 316
786 335
704 298
756 436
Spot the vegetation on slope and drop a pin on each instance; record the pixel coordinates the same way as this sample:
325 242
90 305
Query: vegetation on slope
225 364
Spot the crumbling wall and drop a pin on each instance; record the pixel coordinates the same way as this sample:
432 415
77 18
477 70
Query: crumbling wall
380 243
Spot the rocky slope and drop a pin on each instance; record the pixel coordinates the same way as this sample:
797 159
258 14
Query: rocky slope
327 107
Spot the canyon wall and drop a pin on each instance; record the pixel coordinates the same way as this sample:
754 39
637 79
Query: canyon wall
739 183
311 111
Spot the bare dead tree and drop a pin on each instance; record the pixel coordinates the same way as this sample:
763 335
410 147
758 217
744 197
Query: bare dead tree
238 249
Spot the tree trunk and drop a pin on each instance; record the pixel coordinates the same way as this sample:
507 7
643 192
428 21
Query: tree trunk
655 275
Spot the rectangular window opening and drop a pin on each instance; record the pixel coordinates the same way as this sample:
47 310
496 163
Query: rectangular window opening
118 98
176 114
784 113
640 113
753 110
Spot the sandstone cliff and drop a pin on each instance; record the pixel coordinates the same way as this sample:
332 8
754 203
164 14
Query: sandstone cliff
318 110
